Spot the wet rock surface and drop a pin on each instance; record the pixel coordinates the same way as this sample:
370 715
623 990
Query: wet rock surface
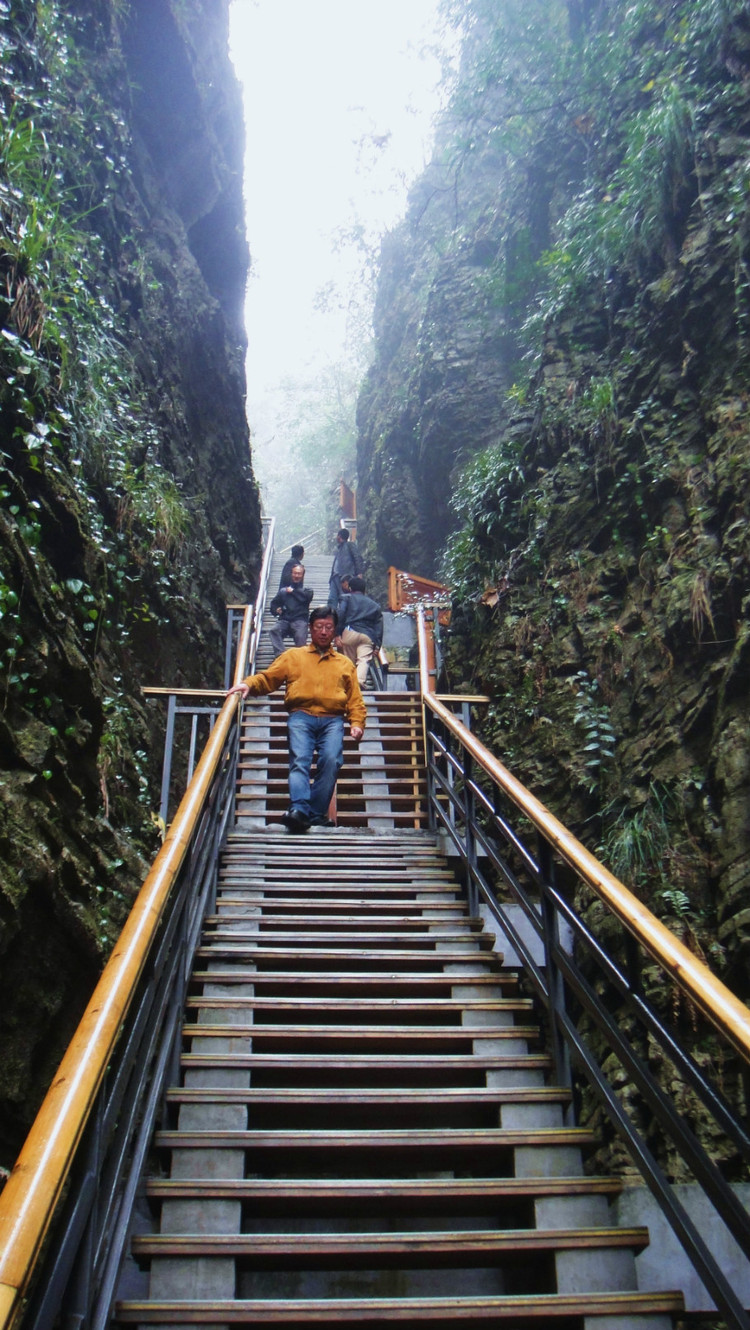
129 516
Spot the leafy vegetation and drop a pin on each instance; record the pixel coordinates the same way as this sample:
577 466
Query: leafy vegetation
488 500
127 508
570 357
70 392
614 111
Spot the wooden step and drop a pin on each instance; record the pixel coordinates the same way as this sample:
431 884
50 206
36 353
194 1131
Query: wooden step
340 956
482 1312
416 1143
364 924
362 846
381 724
276 937
358 980
424 1248
274 765
362 875
366 1070
343 1004
275 886
424 1195
448 905
534 1094
277 851
251 778
265 1033
378 880
373 1062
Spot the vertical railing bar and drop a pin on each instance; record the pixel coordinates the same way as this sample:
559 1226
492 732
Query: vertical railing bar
633 965
555 979
166 773
430 768
469 840
449 775
228 646
193 738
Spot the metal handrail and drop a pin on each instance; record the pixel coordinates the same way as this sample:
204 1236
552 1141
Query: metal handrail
730 1016
488 839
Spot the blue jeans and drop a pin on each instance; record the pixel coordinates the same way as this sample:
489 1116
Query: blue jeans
306 734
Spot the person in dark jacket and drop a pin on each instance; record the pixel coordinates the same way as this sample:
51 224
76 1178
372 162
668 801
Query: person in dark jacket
360 627
291 605
346 561
297 555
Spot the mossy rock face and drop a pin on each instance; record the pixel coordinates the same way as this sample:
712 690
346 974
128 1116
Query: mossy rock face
129 516
593 511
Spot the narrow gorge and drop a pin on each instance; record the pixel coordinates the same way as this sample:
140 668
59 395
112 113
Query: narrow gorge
555 422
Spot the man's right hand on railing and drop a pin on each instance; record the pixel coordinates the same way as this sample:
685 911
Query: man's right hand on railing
240 688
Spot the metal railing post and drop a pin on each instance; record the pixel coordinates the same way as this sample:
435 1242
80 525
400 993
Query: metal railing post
193 744
166 770
469 806
555 980
429 758
228 646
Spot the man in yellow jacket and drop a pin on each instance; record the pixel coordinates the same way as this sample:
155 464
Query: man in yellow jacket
322 692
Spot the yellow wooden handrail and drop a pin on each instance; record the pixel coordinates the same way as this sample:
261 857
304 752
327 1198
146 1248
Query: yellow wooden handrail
248 646
730 1016
243 646
30 1195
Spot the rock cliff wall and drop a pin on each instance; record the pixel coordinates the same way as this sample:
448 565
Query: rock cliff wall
558 419
128 510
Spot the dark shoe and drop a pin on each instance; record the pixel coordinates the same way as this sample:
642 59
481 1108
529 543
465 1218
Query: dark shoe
322 822
296 822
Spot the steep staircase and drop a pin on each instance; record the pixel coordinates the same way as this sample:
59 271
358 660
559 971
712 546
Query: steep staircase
364 1129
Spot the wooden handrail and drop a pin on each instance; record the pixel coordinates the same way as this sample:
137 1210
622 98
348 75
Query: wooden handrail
29 1198
726 1012
426 654
149 691
243 646
250 648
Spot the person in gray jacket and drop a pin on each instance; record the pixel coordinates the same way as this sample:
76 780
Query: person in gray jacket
347 562
291 605
360 627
